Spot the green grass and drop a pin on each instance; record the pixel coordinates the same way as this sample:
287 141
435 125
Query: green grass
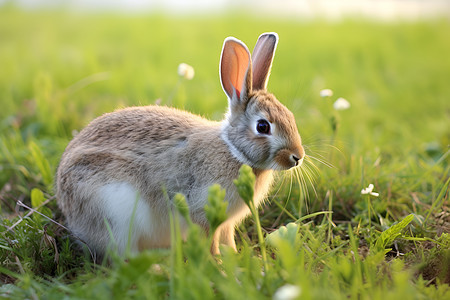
60 70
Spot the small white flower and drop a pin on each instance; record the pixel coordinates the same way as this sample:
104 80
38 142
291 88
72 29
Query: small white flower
326 93
74 132
287 292
341 104
369 191
186 71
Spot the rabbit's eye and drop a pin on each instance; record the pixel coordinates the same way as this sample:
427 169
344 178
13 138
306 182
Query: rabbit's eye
263 127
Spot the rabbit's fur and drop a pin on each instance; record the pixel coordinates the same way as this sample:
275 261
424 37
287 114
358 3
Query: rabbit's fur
118 168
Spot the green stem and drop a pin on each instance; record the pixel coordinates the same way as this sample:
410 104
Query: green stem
262 243
329 217
369 210
174 91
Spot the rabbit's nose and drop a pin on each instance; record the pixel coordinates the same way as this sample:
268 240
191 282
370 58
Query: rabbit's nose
298 161
298 156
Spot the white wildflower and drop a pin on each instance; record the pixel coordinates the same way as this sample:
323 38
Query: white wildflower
287 292
341 104
326 93
186 71
74 132
369 191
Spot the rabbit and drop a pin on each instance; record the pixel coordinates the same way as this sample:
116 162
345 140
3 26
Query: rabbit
122 167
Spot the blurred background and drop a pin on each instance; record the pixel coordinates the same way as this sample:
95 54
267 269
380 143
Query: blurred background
380 9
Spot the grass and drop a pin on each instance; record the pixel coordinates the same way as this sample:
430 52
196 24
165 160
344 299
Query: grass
60 70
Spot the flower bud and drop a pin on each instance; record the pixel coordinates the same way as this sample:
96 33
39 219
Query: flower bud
245 184
186 71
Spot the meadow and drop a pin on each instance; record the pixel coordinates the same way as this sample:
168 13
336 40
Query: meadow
321 237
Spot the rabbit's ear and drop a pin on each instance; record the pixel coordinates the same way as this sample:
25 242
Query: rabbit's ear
235 70
262 58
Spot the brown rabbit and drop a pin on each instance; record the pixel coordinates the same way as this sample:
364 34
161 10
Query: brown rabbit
115 170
